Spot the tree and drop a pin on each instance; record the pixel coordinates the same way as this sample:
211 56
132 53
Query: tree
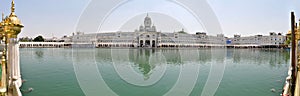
25 39
288 41
39 39
182 32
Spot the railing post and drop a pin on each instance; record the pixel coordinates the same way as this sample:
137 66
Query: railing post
293 53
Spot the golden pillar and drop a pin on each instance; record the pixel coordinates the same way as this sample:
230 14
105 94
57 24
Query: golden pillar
10 27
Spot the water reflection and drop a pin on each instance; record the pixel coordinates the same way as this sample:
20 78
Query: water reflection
140 57
137 69
272 57
39 53
145 62
204 56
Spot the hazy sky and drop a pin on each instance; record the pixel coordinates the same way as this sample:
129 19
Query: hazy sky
246 17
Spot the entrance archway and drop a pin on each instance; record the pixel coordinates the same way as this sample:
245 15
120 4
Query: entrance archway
147 43
153 43
141 43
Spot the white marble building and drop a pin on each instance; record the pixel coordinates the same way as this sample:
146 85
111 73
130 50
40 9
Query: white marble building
272 39
147 36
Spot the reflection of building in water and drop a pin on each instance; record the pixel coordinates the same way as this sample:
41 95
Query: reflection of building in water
145 60
39 54
140 58
275 57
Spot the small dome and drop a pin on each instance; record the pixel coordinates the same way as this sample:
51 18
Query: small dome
14 20
154 28
147 18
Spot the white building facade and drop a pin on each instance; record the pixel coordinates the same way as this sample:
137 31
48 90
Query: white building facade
147 36
272 39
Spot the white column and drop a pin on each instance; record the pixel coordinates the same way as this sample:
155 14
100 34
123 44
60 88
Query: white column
150 42
17 63
13 61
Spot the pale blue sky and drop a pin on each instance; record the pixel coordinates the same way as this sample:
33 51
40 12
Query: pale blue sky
245 17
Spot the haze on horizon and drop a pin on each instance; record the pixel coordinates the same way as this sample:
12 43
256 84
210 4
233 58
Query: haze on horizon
245 17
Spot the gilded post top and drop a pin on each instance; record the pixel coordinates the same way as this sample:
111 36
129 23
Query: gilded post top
11 25
12 8
13 17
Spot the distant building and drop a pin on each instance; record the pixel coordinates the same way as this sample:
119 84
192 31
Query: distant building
272 39
147 36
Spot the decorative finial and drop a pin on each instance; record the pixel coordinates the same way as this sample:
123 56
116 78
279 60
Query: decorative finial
147 15
12 8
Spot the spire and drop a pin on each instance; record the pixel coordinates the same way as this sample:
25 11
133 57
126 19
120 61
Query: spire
147 15
2 16
12 8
